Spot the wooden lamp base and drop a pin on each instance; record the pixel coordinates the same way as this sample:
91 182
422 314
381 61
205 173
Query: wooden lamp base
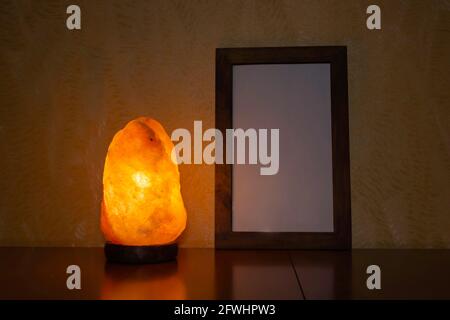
117 253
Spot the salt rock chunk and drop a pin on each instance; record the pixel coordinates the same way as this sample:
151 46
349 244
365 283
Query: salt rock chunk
142 202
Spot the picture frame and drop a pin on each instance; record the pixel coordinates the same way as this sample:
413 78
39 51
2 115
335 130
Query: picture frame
340 236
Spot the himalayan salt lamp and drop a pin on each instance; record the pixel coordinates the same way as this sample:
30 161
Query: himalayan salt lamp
142 212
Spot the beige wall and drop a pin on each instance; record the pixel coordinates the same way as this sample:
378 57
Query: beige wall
64 94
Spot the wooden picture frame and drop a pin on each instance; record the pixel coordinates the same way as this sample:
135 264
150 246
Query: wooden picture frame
340 238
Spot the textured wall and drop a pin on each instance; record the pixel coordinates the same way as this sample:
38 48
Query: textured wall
64 94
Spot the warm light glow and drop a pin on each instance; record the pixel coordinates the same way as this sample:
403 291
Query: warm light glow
142 203
141 180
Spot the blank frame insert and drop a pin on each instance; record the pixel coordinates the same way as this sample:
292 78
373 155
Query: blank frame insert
296 99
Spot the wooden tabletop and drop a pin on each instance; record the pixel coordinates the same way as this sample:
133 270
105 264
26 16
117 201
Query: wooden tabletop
40 273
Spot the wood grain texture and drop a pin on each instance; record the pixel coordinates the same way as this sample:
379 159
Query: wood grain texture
64 94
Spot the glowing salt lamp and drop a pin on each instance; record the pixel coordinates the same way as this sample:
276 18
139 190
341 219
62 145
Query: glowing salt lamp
142 209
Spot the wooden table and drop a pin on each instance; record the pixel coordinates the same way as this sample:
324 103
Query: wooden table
40 273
